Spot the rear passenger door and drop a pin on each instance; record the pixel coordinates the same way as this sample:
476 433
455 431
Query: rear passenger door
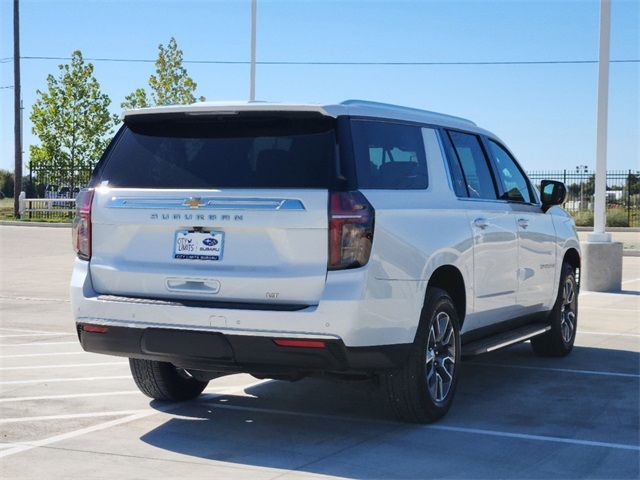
536 233
495 244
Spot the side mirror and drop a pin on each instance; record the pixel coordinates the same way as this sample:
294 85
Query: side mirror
552 193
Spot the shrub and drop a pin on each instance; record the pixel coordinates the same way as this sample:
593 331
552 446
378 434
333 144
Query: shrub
617 217
583 218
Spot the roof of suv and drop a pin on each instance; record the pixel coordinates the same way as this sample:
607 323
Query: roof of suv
362 108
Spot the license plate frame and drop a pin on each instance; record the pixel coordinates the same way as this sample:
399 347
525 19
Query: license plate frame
198 245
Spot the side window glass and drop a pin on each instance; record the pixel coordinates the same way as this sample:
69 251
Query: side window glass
514 183
474 165
389 155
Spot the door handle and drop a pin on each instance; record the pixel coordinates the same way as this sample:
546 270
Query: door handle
481 223
523 222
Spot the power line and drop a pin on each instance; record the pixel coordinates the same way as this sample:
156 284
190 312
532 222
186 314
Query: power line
333 63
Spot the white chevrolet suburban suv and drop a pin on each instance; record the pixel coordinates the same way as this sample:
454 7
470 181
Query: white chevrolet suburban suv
354 240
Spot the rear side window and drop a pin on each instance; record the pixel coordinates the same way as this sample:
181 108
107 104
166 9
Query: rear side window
389 155
514 184
222 152
475 169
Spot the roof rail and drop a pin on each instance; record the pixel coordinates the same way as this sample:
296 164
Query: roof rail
368 103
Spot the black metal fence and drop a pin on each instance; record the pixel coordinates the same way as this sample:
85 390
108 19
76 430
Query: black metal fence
48 182
623 194
623 191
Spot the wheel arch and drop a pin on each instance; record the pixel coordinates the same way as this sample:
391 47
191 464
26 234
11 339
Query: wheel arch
572 257
450 279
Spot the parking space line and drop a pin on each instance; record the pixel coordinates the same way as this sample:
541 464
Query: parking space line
34 299
564 370
70 396
24 446
70 416
26 330
56 380
16 335
37 344
69 365
25 355
613 334
493 433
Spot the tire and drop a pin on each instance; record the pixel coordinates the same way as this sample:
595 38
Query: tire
558 341
419 392
163 381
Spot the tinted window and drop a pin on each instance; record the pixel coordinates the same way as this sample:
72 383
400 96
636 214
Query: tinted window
513 182
474 165
389 155
222 152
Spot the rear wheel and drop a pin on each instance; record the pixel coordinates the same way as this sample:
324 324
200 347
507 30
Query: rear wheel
558 341
163 381
422 390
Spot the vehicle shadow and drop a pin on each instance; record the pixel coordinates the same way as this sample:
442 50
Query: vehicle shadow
343 429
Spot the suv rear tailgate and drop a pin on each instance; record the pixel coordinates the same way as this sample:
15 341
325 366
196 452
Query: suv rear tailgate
273 244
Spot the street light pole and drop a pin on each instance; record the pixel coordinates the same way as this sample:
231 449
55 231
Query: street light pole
601 265
600 201
252 79
17 120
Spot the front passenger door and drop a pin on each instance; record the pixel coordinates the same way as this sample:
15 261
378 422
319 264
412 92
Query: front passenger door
536 233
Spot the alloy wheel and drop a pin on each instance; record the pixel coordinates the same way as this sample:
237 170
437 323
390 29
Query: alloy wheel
568 311
441 357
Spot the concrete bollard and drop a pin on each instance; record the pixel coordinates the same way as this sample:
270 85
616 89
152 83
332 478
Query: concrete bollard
601 266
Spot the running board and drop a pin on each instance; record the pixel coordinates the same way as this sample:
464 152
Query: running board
501 340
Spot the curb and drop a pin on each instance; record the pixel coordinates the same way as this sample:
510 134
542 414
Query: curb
610 229
11 223
630 252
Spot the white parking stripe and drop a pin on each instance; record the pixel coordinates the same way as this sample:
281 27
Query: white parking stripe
493 433
25 355
34 299
70 395
564 370
16 335
37 344
69 365
22 447
26 330
71 416
613 334
56 380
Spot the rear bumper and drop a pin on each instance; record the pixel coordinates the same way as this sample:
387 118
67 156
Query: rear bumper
355 309
214 351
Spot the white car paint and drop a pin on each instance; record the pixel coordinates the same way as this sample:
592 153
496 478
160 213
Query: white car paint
507 270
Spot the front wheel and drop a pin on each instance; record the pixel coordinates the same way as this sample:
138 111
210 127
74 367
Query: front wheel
163 381
422 390
558 341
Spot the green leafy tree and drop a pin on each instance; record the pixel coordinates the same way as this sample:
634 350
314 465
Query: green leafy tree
136 99
71 119
171 84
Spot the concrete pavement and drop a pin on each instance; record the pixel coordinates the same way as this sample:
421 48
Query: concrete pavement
69 414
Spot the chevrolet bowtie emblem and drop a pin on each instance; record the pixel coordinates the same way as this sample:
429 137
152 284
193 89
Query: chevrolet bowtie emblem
193 202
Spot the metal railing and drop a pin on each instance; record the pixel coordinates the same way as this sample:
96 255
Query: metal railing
623 192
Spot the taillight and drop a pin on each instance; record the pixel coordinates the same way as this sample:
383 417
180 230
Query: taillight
81 231
351 219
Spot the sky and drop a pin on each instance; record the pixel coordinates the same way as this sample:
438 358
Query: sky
546 114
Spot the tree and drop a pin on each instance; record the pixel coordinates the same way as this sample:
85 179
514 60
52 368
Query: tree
72 121
171 84
136 99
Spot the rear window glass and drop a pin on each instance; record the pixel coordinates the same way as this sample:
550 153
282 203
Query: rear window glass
222 152
389 155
